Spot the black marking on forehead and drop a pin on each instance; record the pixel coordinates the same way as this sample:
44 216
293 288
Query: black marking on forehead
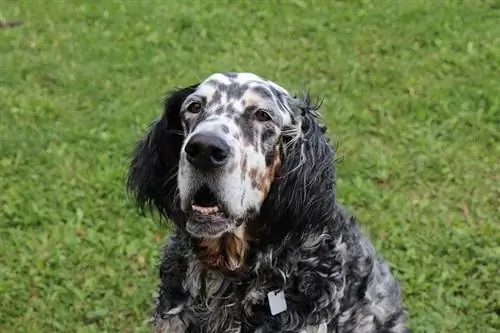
277 93
220 89
225 129
231 75
227 109
236 90
262 91
232 91
280 97
216 98
203 100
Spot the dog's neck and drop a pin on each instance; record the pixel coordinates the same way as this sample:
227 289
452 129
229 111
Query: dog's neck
225 253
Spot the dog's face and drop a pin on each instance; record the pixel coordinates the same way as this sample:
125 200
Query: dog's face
232 126
232 159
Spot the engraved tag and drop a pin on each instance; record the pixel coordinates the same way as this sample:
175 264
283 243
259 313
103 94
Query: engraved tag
277 302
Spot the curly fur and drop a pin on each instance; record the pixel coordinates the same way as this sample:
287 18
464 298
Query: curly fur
300 241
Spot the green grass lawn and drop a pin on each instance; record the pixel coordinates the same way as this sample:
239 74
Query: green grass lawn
411 94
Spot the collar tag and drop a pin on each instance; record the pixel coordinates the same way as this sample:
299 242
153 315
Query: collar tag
277 301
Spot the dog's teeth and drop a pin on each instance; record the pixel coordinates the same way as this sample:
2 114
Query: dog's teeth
205 210
212 209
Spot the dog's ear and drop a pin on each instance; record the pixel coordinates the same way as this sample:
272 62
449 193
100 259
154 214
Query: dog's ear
304 187
152 175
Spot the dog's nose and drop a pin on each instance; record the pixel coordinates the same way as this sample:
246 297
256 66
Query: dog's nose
207 151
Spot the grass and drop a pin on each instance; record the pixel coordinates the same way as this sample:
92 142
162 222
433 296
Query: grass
411 92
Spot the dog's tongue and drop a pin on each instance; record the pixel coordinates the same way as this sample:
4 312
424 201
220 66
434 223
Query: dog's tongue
205 210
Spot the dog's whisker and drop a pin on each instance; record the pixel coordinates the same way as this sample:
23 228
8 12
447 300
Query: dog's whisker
180 133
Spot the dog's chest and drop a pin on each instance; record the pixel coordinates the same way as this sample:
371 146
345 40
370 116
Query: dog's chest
219 304
211 303
311 282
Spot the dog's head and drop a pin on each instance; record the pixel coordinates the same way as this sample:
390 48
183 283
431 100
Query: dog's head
210 161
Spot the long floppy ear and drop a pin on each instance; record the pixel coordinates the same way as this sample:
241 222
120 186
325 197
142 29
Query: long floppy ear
152 175
304 188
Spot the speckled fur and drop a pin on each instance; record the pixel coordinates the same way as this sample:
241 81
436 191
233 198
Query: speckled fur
302 242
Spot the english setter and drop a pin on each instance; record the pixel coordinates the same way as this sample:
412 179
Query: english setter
260 244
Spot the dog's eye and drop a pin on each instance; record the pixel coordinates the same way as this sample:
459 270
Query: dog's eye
262 115
194 107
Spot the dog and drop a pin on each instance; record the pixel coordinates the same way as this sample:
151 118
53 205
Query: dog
246 173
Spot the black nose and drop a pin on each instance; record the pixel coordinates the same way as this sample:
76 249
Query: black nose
207 151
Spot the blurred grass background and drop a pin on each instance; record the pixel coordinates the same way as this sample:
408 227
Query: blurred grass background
411 93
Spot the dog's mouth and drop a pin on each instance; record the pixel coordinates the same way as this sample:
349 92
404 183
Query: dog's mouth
205 202
206 207
207 215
